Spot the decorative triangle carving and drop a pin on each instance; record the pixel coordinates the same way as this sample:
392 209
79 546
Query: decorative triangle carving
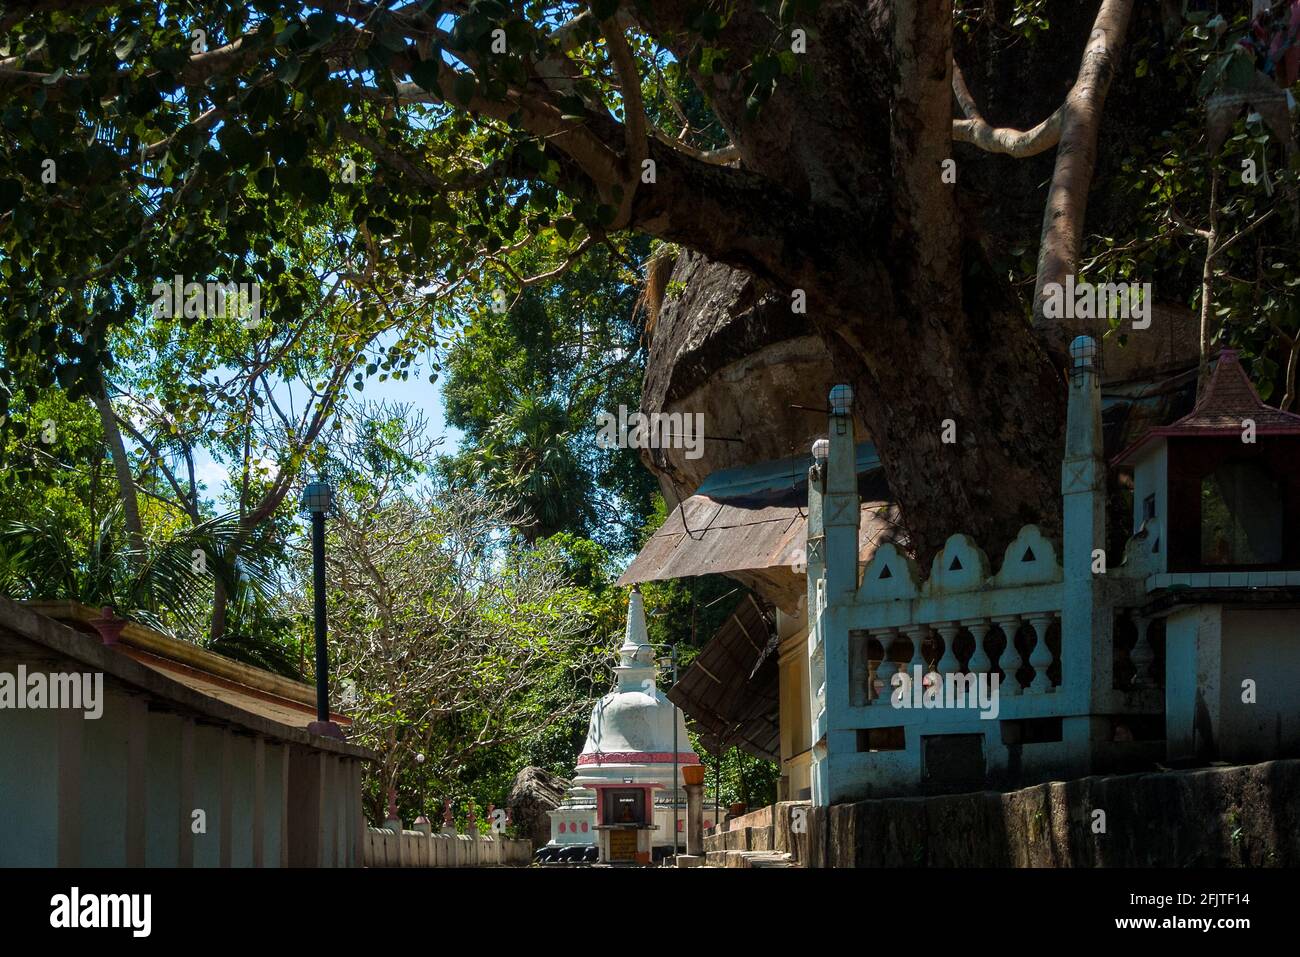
886 573
956 565
1029 555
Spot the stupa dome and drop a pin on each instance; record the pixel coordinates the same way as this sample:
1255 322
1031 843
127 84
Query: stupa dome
633 724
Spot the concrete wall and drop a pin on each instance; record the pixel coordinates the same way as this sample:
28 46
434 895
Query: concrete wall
122 790
389 848
1211 651
1245 816
325 825
1193 695
1263 647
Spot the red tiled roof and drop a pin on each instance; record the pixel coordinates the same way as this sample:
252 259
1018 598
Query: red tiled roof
1229 400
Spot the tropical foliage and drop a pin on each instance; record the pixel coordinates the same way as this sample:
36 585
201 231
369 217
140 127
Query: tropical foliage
467 193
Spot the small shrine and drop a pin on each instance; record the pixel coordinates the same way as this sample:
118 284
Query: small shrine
1217 490
624 806
1216 541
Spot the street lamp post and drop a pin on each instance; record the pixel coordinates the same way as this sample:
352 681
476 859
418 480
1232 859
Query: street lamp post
316 500
676 847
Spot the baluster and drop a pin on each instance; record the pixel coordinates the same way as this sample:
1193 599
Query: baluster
1143 656
887 668
1041 657
979 663
917 666
948 663
1009 660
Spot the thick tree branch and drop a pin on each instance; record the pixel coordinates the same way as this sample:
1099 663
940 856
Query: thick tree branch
1076 160
634 118
741 218
998 139
535 114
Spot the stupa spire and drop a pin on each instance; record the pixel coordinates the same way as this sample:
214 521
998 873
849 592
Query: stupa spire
636 664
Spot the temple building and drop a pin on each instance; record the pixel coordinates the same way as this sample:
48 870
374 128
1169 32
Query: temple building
1182 652
1152 626
624 805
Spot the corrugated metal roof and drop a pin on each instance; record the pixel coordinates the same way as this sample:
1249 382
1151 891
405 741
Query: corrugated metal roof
786 474
706 537
755 520
732 688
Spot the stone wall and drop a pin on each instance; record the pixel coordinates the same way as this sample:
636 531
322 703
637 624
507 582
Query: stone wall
767 829
1245 816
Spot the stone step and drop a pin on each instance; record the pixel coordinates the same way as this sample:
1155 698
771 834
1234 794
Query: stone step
742 839
748 859
769 859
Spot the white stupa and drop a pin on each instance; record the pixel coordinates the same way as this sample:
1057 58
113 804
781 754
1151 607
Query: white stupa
623 800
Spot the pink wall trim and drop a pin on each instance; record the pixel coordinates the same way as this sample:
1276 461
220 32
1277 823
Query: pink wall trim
637 757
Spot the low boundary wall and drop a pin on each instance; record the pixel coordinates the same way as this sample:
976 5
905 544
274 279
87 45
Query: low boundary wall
391 848
1237 816
1241 816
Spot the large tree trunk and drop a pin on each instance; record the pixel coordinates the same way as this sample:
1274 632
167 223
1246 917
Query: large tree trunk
891 284
989 384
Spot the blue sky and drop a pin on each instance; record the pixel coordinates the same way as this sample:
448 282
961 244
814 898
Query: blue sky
417 390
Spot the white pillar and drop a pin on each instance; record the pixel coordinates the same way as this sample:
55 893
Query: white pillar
1086 627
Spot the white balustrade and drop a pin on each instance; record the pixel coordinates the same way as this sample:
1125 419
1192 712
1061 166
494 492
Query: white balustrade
1040 659
979 629
949 663
1010 660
